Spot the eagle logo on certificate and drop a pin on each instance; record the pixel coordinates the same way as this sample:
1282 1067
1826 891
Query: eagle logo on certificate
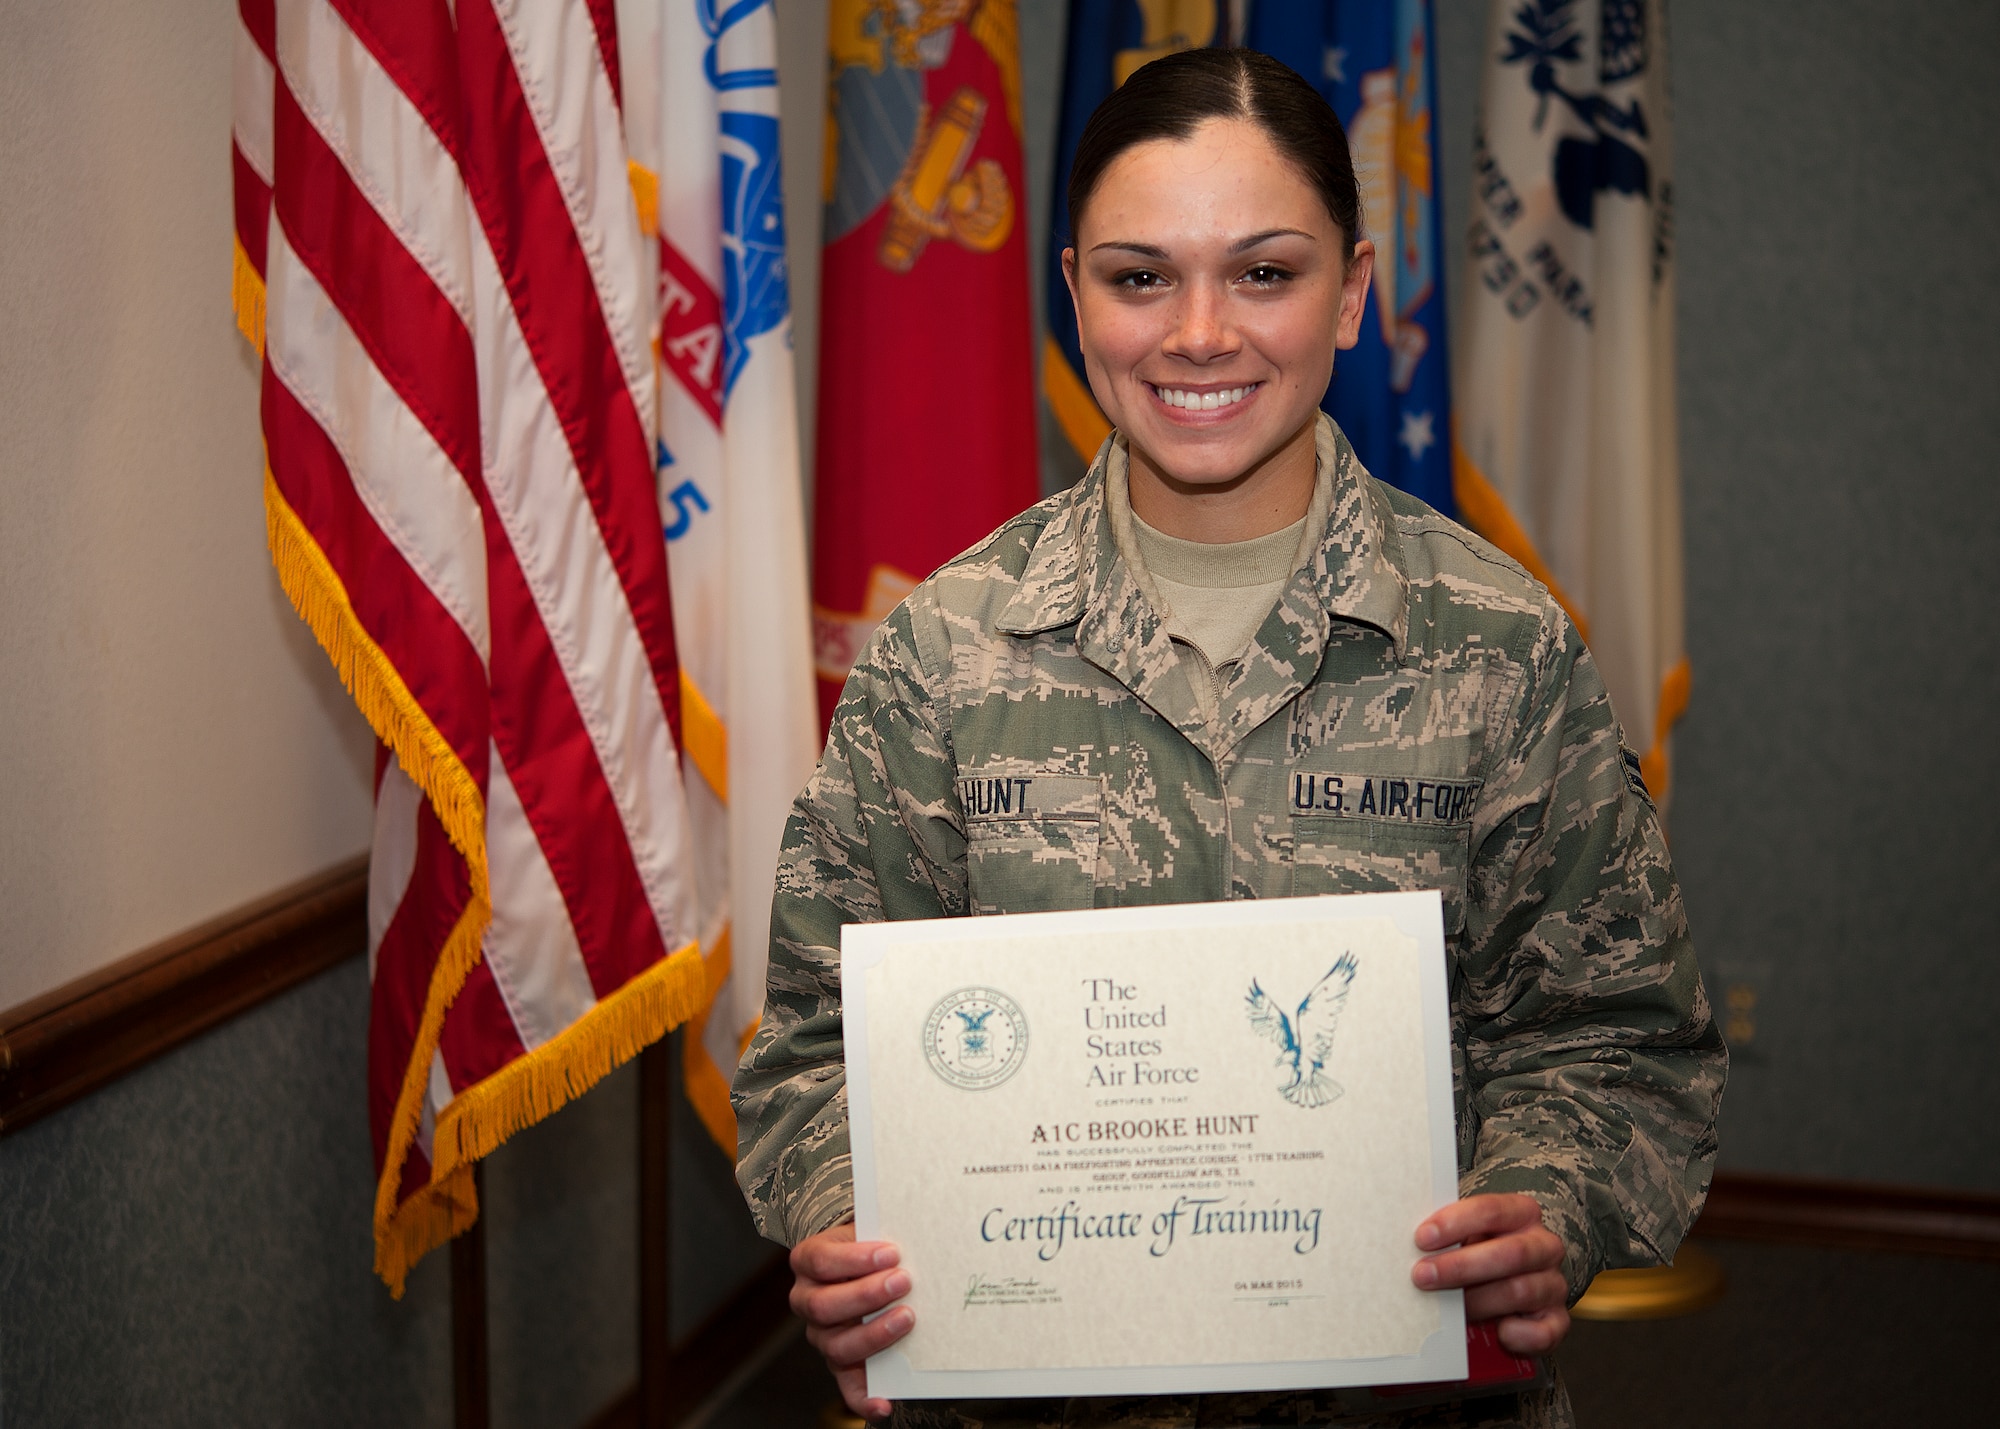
1305 1038
975 1038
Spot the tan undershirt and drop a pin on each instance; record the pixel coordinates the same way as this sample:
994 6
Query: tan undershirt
1218 593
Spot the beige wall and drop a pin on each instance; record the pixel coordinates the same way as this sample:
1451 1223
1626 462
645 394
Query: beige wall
172 743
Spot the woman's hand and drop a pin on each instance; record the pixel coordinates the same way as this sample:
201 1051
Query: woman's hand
1509 1265
837 1280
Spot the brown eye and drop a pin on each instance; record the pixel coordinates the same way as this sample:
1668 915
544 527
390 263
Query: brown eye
1264 275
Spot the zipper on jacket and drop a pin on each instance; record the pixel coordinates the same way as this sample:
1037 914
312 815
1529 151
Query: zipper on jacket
1213 675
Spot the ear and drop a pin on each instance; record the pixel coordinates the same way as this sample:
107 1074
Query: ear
1069 281
1354 294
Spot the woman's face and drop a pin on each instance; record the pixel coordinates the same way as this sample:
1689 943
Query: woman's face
1210 296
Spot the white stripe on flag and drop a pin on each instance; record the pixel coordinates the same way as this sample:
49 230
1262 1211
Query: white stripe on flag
574 110
253 85
389 149
531 945
538 494
400 473
393 852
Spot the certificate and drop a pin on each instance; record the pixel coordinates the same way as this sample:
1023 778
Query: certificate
1156 1150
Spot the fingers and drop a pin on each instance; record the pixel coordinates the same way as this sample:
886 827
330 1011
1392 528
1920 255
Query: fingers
1519 1295
1519 1252
844 1300
1478 1218
836 1282
846 1346
853 1383
1535 1334
835 1255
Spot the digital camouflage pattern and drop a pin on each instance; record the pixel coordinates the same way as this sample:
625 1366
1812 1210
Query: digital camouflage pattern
1023 734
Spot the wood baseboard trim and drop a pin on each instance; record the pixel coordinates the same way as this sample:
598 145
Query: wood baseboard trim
69 1042
1852 1215
734 1333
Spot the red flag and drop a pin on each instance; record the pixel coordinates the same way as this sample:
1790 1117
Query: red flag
926 397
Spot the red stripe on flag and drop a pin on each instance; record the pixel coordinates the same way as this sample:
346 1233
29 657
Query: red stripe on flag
563 789
420 637
550 286
604 19
253 209
479 1037
432 904
414 43
415 337
260 19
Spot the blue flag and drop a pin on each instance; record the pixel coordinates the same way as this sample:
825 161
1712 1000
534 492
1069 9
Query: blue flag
1372 60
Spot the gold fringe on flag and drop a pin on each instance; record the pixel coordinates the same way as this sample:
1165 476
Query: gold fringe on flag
569 1064
704 738
246 294
446 1207
406 1232
1485 511
1656 765
645 195
1076 411
385 701
707 1089
1482 508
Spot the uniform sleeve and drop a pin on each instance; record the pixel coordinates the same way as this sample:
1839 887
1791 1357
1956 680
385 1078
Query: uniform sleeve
876 834
1594 1070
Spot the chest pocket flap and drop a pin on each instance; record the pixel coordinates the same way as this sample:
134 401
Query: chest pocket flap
1362 833
1031 840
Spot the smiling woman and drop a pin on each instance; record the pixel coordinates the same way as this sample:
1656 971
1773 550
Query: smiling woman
1192 671
1217 249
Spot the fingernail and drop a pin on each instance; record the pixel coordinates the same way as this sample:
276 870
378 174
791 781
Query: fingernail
1429 1237
1426 1275
904 1318
885 1257
898 1284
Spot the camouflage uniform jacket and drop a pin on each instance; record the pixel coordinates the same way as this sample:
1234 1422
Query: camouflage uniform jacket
1415 712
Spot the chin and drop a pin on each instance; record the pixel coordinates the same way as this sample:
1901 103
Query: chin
1210 458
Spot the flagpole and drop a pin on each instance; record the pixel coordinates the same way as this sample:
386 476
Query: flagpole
656 1091
468 1317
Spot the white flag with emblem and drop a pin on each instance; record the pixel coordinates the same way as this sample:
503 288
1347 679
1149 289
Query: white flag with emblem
1567 454
702 104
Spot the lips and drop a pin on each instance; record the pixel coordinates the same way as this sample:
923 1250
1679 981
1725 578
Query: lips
1213 400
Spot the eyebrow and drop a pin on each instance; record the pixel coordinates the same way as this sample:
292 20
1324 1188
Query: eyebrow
1148 250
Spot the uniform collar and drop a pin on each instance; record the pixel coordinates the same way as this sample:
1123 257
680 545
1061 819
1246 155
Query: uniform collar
1075 575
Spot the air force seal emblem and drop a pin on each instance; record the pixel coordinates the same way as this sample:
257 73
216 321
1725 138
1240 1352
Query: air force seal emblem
975 1038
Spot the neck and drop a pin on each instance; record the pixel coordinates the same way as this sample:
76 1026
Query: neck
1268 497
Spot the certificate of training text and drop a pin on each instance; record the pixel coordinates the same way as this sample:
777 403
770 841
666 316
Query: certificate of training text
1151 1150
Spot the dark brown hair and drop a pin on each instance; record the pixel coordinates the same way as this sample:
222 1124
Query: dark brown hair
1172 96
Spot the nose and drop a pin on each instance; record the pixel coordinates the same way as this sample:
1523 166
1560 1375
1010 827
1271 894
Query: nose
1201 332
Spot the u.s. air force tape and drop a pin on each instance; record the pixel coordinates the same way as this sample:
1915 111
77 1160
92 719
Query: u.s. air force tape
1316 794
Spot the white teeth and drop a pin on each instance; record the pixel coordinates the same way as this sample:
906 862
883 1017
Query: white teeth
1203 401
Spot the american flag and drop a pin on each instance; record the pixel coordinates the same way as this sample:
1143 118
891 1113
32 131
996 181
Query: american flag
440 253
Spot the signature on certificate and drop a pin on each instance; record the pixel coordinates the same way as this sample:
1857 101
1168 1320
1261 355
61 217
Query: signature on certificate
1009 1290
